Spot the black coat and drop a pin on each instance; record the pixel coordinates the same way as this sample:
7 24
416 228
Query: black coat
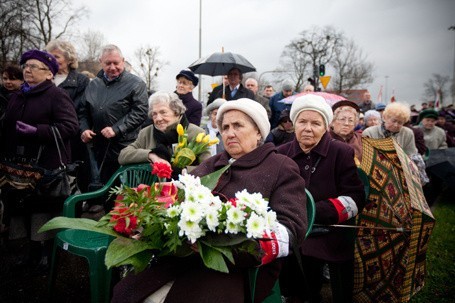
242 92
193 108
75 84
43 106
121 104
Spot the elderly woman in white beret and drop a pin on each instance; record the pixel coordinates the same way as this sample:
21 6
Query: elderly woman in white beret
212 128
330 174
256 167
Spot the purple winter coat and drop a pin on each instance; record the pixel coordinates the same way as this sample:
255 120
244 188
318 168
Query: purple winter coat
262 170
335 174
43 106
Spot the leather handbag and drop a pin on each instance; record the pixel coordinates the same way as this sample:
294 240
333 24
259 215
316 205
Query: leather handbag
60 182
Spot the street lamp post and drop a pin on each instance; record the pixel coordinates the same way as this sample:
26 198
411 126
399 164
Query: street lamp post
200 47
386 89
452 28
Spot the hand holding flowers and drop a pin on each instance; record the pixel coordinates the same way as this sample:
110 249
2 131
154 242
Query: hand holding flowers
186 152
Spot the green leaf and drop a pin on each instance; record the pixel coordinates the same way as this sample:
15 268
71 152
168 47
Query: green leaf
212 258
77 223
139 261
220 240
122 249
211 180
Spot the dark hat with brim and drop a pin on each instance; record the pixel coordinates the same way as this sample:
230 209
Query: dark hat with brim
41 56
428 113
345 103
188 75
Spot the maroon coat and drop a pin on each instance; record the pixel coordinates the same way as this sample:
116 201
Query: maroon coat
335 174
43 106
264 171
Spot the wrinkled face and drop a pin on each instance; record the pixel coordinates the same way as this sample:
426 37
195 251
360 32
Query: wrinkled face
113 64
233 77
428 123
372 121
287 93
184 86
63 64
239 133
163 116
393 123
344 123
251 85
213 117
36 72
309 129
11 84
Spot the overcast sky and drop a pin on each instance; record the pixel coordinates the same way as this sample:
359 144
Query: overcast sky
406 40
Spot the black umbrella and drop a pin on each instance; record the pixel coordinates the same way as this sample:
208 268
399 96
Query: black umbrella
218 64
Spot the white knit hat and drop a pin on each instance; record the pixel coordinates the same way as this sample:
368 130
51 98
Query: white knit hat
252 109
314 103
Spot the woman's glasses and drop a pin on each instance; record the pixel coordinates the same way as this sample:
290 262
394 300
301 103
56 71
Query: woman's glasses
33 67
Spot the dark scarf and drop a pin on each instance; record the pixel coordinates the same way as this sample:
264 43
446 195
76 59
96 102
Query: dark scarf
169 136
164 140
387 133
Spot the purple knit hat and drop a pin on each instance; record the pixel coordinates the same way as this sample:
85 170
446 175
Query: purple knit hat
44 57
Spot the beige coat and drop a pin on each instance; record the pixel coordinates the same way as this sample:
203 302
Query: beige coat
138 151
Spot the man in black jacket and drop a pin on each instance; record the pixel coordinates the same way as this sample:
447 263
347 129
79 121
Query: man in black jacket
112 110
234 90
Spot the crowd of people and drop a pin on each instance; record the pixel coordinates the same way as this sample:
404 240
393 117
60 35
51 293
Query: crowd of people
274 148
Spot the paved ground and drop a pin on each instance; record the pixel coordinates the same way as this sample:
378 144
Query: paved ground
20 283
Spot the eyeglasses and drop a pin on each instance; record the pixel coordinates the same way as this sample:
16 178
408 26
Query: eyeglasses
184 83
33 67
345 120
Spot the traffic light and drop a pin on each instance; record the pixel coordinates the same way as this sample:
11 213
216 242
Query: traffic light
321 70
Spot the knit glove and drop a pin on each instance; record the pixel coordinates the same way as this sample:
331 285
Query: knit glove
345 207
274 244
24 128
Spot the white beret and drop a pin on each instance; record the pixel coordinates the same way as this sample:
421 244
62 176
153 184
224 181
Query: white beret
252 109
314 103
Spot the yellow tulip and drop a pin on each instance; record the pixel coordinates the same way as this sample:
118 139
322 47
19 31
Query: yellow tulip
180 130
199 137
214 141
206 139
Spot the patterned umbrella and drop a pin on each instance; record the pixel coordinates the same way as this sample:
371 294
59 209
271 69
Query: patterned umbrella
218 64
391 251
331 99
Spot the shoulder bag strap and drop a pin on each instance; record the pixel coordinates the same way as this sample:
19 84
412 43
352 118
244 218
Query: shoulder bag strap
58 138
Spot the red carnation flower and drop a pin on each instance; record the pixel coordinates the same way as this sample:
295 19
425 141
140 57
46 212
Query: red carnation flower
162 170
127 229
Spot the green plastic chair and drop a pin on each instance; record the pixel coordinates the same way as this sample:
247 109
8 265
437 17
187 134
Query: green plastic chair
275 294
426 156
92 245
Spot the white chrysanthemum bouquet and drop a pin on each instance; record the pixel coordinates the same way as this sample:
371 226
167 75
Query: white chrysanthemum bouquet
180 218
